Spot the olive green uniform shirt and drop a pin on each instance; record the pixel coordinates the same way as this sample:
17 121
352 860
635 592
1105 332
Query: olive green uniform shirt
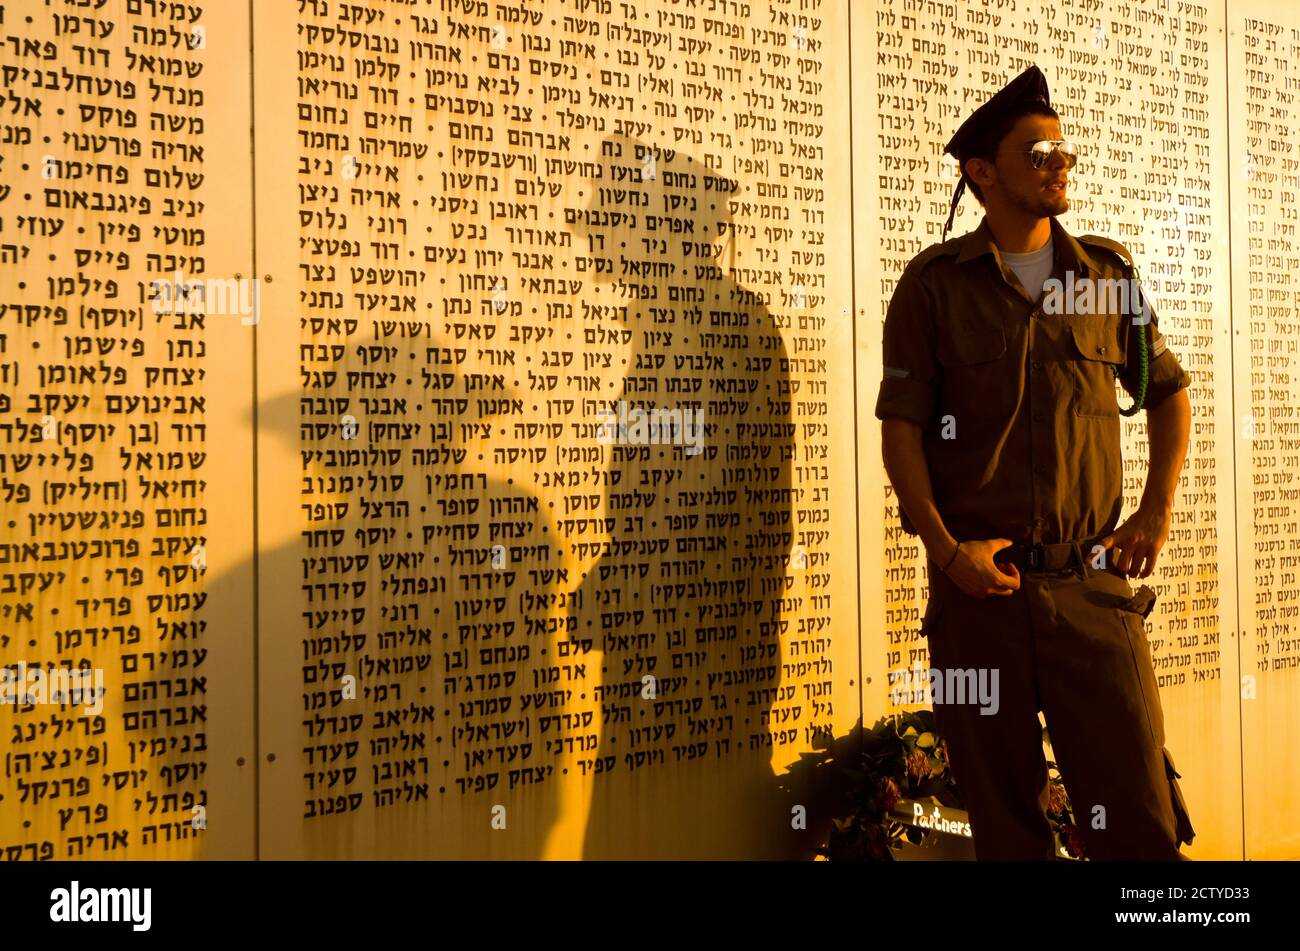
1018 406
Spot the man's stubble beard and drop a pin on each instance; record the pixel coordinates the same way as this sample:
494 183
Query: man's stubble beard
1041 207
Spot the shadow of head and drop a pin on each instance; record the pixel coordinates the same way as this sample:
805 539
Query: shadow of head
652 212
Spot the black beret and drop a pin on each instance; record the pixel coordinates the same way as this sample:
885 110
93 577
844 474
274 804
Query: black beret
1029 88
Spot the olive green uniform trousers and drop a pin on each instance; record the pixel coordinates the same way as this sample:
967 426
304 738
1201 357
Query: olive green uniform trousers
1071 643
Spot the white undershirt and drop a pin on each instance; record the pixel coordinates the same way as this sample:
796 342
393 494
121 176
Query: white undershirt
1033 268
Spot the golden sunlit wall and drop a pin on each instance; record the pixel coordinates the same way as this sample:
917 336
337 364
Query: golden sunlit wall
444 429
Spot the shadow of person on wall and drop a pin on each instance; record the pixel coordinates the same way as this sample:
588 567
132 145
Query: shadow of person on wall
451 551
683 606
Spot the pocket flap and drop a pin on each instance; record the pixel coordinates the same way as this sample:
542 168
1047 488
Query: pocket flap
1142 602
966 347
1099 337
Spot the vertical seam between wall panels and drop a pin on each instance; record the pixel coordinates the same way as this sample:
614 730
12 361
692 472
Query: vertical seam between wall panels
257 606
853 328
1232 371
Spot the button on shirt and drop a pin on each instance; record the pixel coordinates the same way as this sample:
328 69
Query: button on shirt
1017 404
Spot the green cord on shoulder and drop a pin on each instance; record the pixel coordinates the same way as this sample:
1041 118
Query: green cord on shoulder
1140 397
1143 372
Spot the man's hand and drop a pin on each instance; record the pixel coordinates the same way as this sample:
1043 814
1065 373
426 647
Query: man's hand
975 572
1139 540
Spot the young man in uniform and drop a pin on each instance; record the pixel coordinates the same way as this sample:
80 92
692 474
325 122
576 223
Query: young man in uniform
1001 438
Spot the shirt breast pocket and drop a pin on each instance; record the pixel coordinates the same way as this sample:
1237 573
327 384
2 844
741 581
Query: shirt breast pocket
975 371
1098 342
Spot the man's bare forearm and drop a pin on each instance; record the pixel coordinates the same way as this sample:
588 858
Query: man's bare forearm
1167 433
910 476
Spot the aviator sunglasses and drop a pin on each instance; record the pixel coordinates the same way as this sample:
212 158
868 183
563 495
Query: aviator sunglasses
1041 151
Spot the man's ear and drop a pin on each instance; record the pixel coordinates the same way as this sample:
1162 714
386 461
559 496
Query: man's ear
981 172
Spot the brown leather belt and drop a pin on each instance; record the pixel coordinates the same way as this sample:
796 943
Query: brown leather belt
1055 556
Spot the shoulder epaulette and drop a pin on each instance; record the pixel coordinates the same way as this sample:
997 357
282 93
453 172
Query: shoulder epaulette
1097 241
951 246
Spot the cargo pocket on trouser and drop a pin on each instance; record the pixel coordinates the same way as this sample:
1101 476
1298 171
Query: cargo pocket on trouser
1135 609
1132 612
1184 821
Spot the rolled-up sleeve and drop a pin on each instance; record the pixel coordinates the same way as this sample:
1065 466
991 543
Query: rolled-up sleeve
1165 376
909 386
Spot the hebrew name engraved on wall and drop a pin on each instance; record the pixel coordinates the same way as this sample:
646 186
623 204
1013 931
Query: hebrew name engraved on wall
125 621
564 294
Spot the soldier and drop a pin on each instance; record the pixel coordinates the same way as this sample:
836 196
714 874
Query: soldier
1001 438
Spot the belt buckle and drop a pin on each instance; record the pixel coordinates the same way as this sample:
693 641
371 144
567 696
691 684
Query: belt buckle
1034 556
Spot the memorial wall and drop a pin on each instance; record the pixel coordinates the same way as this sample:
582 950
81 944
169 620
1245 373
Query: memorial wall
126 475
517 249
1264 70
443 430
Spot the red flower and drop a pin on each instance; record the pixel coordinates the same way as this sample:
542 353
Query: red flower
918 764
887 790
1074 841
1056 800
